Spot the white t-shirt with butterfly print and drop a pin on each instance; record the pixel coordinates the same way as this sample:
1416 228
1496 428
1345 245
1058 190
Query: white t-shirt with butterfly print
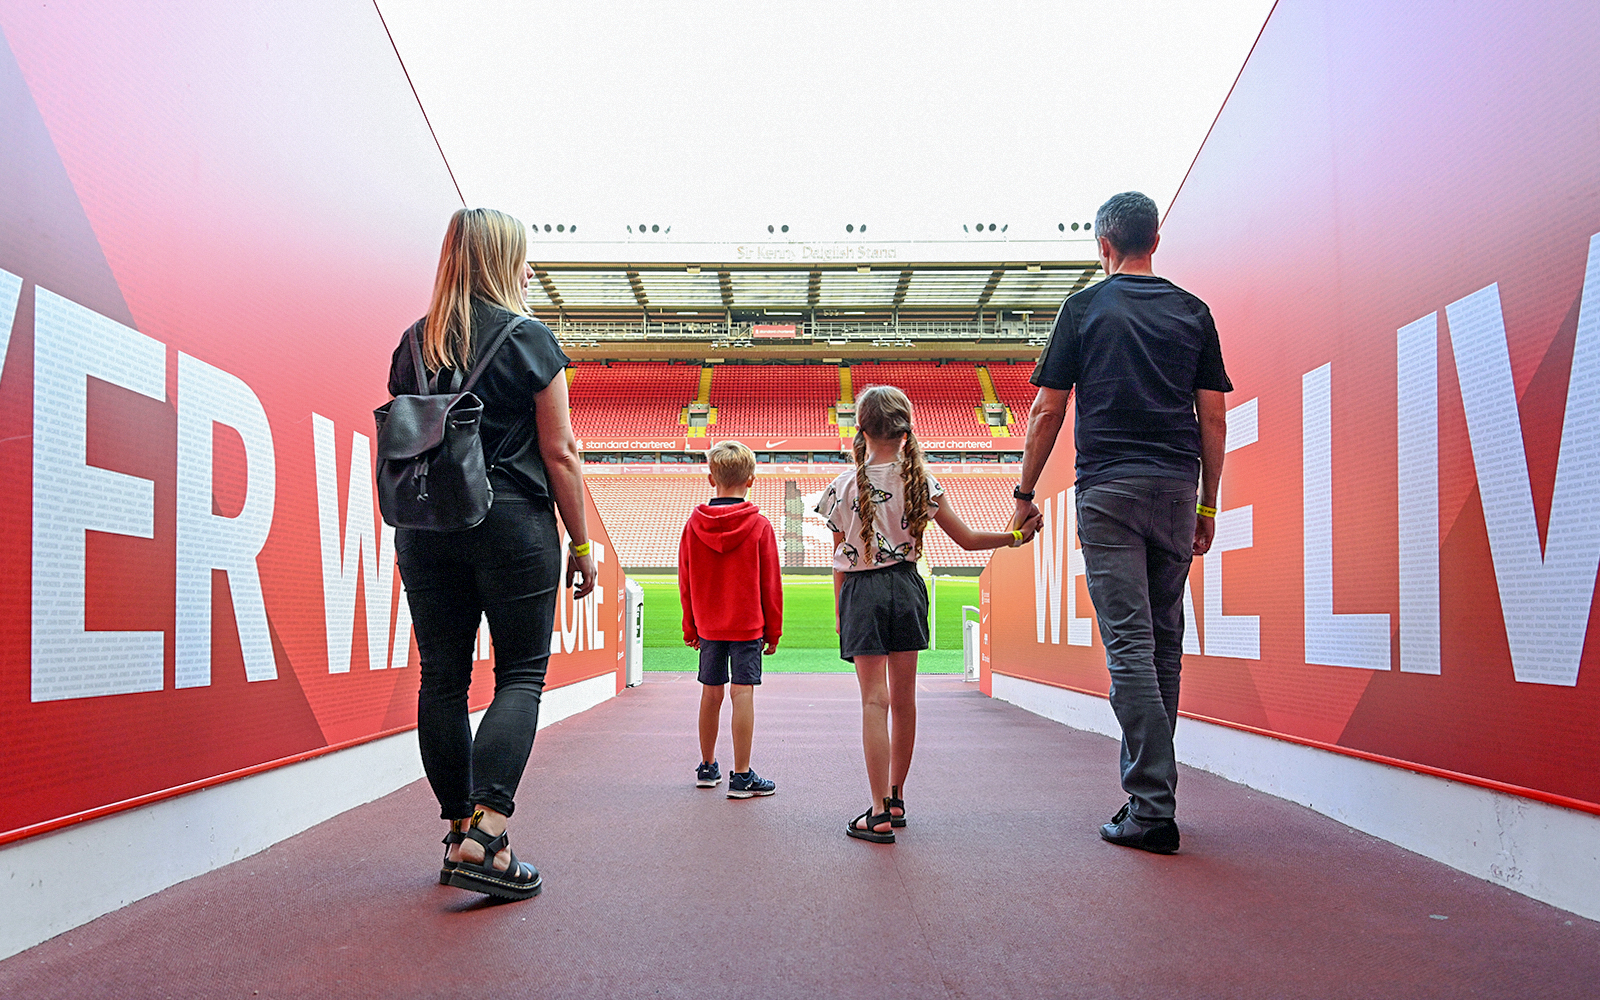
892 541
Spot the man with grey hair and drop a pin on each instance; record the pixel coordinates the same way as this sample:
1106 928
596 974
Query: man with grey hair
1145 361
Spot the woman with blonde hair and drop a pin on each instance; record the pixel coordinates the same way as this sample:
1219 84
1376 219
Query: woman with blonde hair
509 567
878 512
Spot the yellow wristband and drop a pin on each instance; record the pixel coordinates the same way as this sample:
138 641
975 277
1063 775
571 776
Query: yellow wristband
1016 538
580 550
1205 511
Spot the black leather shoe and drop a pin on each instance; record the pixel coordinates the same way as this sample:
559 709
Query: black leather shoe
1157 837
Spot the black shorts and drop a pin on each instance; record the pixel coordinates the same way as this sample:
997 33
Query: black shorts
716 655
882 611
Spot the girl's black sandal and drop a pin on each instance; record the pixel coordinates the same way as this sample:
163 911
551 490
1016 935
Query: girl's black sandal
893 802
871 820
456 835
520 880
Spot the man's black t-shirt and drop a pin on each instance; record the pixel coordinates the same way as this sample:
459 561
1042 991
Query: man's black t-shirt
1136 347
525 363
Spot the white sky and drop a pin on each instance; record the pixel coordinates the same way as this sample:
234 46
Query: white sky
719 119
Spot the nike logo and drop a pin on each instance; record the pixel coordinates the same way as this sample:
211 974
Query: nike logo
774 444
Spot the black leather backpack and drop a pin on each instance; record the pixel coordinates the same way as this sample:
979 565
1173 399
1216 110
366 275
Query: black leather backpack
431 470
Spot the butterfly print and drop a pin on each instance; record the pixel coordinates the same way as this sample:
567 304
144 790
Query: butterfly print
892 553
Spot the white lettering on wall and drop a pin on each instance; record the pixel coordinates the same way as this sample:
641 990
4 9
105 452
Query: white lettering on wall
1417 450
1545 597
1047 547
1231 635
368 549
71 345
581 629
208 541
1054 551
10 292
1336 640
1191 635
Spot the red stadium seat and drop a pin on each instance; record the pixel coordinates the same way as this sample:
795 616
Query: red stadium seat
945 398
777 400
631 399
645 513
1012 386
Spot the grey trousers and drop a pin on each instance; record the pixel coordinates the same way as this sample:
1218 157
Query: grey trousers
1138 536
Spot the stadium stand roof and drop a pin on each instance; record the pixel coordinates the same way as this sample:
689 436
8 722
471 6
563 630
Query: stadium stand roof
816 306
617 289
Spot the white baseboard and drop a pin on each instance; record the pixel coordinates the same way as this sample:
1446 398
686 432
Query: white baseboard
132 853
1543 851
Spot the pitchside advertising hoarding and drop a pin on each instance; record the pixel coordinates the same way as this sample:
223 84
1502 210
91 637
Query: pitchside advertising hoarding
214 225
1407 286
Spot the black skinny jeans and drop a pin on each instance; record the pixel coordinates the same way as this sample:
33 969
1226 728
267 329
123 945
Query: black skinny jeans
508 567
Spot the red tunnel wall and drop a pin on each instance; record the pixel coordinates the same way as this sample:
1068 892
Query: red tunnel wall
1391 188
255 190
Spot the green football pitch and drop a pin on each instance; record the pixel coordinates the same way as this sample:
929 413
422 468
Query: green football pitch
809 643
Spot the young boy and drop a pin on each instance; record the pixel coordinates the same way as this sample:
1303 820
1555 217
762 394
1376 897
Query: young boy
732 598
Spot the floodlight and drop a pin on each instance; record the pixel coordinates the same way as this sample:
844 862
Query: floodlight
991 227
786 229
547 227
769 229
1063 226
1074 227
850 229
561 228
572 229
862 227
655 229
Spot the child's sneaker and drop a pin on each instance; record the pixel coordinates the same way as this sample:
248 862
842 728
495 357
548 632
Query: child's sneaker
707 775
746 784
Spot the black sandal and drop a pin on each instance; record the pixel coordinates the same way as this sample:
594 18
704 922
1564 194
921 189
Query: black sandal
872 820
456 835
893 802
520 880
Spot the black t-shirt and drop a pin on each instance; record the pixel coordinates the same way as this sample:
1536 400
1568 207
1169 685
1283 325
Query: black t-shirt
1136 347
525 363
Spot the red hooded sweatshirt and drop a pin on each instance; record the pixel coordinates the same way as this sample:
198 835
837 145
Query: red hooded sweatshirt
728 575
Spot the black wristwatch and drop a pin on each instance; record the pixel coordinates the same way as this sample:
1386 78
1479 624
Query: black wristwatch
1017 492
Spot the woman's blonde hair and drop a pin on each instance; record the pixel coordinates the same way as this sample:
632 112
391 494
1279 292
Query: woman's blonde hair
883 412
483 257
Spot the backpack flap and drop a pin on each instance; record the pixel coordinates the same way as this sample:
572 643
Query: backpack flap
409 426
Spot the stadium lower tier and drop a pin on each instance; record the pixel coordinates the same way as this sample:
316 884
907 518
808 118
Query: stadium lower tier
645 514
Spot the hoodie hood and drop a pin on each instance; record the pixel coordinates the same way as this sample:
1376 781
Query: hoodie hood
725 527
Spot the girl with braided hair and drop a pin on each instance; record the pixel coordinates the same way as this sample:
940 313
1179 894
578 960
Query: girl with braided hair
878 512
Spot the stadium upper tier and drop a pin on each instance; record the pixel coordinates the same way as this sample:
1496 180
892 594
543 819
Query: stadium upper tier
685 406
645 514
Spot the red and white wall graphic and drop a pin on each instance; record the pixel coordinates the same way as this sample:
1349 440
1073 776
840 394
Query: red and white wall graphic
214 225
1396 222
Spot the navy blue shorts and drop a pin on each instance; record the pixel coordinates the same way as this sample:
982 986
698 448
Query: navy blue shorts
882 611
718 655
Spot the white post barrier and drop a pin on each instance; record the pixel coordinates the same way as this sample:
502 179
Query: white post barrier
970 658
633 615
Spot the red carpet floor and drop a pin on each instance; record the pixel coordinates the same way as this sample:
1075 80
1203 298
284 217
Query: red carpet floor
999 887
